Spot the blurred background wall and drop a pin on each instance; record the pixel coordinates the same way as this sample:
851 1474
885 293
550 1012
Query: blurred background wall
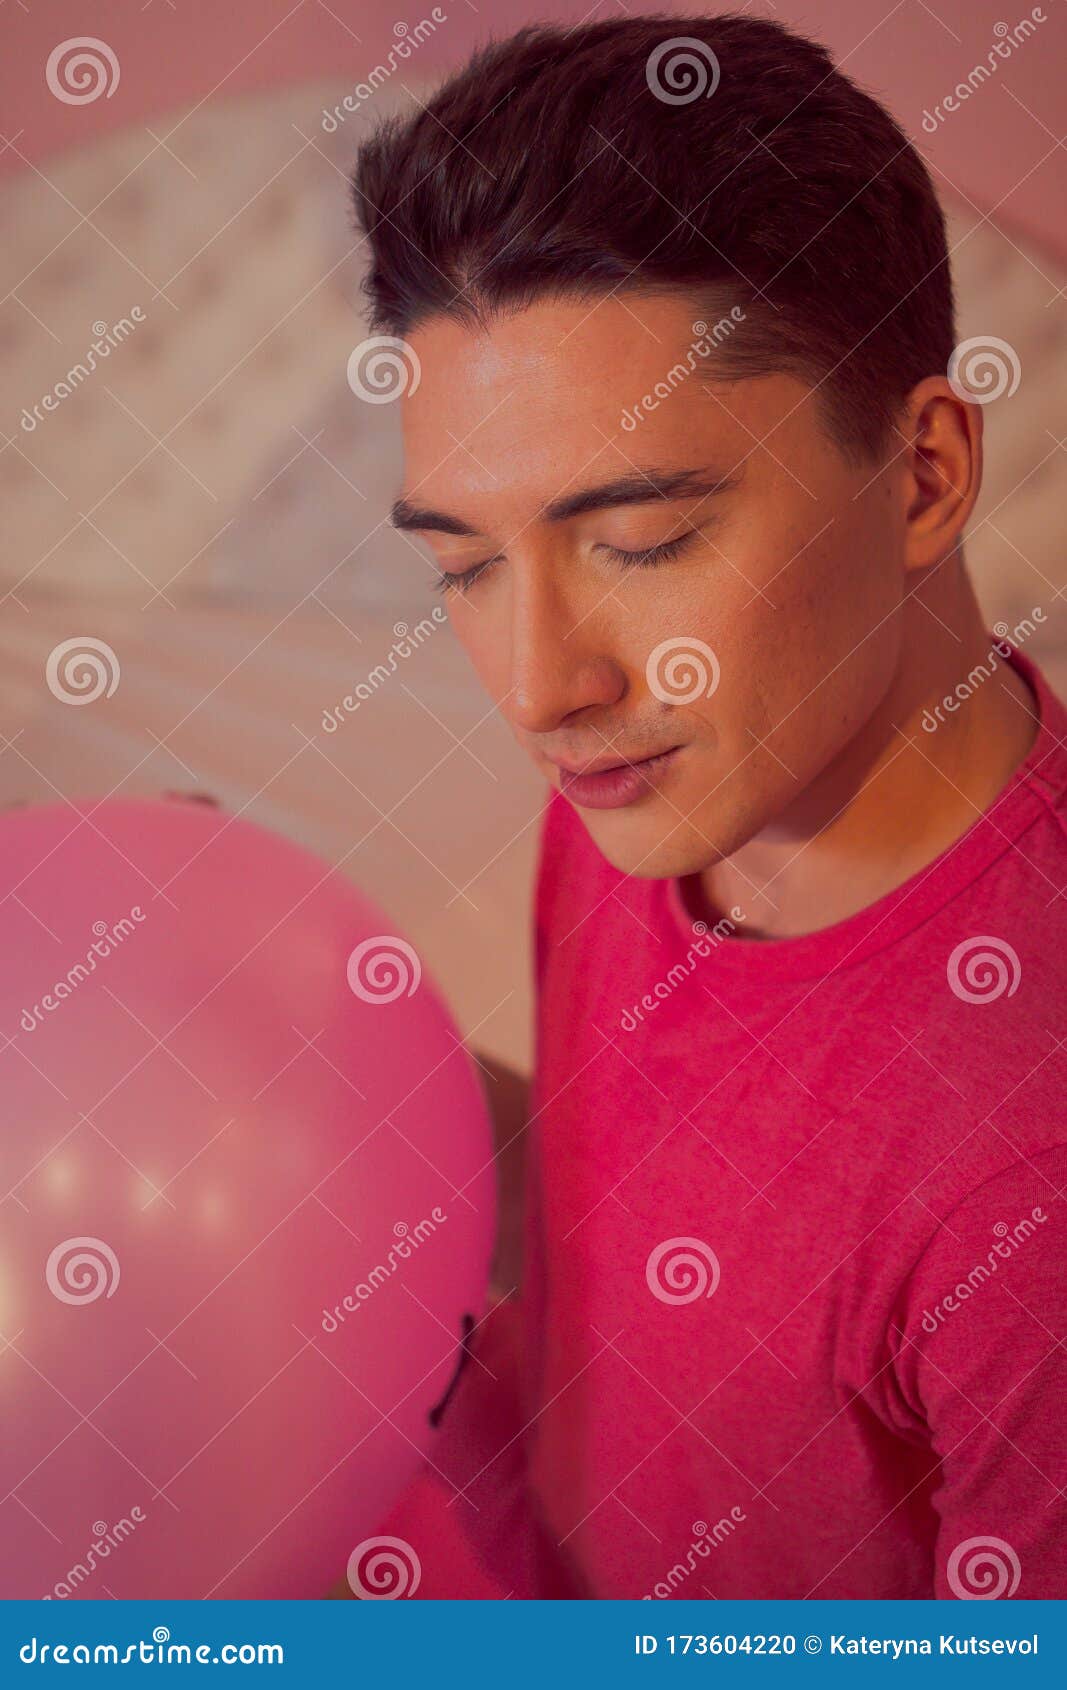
202 521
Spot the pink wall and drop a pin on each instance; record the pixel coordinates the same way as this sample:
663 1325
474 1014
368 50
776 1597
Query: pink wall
999 149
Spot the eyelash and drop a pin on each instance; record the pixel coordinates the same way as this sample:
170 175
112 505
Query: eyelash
647 559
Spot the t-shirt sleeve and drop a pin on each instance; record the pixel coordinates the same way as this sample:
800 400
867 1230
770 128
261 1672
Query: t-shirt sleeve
981 1364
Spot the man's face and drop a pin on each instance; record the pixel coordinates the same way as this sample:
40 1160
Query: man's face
752 635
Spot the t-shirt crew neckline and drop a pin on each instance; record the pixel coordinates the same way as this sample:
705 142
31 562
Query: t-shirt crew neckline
900 911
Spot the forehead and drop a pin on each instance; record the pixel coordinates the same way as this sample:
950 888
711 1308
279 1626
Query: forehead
537 399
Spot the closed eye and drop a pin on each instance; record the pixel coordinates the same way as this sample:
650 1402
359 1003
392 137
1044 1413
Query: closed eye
653 554
461 583
646 559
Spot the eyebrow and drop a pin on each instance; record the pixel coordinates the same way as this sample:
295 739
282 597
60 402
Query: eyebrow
643 487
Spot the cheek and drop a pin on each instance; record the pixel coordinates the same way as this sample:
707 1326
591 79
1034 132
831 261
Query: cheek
802 623
825 656
485 637
673 634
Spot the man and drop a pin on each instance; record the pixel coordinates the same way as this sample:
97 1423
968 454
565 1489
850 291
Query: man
692 446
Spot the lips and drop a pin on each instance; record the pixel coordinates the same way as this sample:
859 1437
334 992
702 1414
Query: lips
592 767
614 784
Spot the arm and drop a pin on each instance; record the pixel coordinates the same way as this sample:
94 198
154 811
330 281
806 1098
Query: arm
507 1093
983 1369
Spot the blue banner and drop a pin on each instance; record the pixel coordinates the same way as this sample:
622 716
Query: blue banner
509 1644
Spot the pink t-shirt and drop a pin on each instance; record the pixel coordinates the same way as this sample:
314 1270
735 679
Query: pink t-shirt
795 1307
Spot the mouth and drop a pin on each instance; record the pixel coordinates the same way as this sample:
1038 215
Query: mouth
611 783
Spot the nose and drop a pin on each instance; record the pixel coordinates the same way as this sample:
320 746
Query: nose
561 658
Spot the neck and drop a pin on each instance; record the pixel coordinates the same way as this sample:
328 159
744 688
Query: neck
899 794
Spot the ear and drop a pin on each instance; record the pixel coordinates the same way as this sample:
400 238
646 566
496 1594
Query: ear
942 467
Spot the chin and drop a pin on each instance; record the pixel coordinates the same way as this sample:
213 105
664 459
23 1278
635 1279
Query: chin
652 843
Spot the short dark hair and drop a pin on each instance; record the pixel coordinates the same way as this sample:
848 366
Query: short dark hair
579 162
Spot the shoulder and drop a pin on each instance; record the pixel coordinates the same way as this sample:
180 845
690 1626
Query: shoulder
989 1286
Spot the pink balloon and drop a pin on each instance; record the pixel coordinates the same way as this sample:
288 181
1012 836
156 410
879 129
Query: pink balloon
248 1207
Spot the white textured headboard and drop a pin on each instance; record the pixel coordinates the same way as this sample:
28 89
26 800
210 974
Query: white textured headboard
209 502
